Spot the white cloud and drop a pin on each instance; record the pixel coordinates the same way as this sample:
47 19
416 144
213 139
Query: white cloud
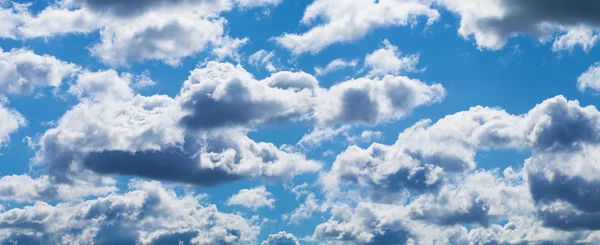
305 210
427 178
254 198
257 3
263 58
281 238
22 71
154 36
388 61
376 100
347 21
115 131
335 65
25 189
131 32
10 122
147 214
492 22
590 79
585 37
319 135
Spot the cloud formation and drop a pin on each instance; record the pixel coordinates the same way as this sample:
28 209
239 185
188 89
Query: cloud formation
351 20
147 214
492 22
22 71
254 198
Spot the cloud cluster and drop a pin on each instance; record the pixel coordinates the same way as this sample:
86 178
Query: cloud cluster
113 130
199 136
492 22
428 177
164 30
147 214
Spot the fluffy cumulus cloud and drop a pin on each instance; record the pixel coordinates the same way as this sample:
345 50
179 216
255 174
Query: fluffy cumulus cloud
388 60
375 100
10 122
153 36
428 177
166 138
492 22
133 32
22 71
254 198
232 97
281 238
25 189
348 21
147 214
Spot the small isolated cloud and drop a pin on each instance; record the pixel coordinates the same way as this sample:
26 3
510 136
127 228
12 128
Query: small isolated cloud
334 65
389 61
254 198
263 59
590 79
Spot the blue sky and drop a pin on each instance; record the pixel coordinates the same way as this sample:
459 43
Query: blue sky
299 122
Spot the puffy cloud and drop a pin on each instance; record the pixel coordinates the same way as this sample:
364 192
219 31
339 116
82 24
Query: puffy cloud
25 189
114 131
10 122
425 152
147 214
281 238
335 65
427 176
381 170
525 230
388 60
348 21
492 22
254 198
371 101
19 23
232 97
22 71
131 32
371 223
590 79
582 36
482 197
153 36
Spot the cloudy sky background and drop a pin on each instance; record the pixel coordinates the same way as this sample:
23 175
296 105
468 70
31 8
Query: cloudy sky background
299 122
